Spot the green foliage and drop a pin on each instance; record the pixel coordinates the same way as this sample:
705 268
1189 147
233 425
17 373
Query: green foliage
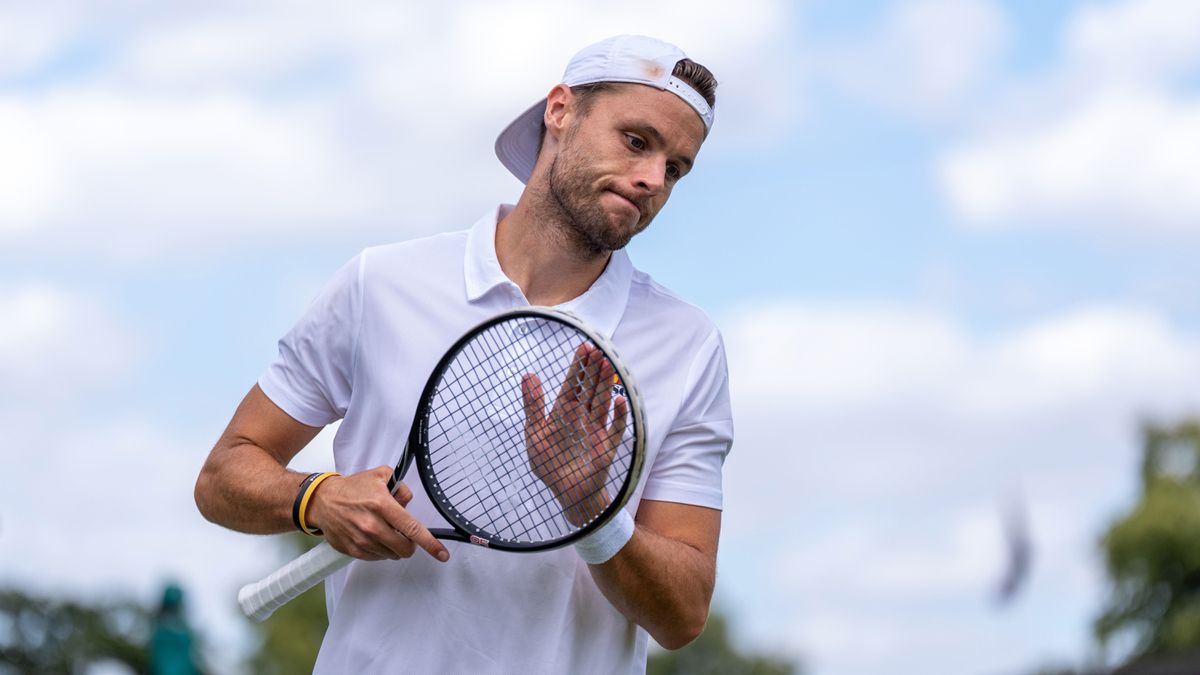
714 654
1152 554
45 635
290 639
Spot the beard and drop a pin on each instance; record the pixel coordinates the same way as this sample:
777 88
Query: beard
584 218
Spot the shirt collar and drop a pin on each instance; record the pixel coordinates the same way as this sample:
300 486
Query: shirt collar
601 305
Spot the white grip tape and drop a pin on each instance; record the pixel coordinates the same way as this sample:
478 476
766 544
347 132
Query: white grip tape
601 545
261 598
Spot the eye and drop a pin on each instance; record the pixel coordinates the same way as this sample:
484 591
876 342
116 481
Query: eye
673 171
635 142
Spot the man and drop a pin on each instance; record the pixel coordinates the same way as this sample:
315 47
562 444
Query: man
599 156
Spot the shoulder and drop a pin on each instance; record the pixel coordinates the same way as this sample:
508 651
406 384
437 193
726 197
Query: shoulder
447 243
655 302
413 256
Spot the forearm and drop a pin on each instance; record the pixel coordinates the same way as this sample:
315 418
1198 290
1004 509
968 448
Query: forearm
245 485
661 584
244 488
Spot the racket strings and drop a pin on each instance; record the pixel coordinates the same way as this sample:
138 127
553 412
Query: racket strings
583 385
509 455
478 432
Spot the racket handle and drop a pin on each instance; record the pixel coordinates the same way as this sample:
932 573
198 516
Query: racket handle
260 599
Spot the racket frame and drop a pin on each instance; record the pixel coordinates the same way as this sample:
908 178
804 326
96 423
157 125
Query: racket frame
417 448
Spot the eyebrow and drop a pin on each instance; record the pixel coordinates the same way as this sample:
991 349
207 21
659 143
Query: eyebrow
651 131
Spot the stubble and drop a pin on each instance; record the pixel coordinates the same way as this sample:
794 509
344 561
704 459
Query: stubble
583 220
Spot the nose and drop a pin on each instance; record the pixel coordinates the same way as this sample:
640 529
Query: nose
651 174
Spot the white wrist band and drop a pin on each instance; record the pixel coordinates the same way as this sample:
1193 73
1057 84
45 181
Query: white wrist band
601 545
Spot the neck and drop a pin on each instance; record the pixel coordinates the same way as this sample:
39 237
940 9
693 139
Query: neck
536 250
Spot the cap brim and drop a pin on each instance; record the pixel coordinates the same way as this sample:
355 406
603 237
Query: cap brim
517 146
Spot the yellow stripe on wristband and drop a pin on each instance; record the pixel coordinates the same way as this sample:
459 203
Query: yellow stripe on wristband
312 487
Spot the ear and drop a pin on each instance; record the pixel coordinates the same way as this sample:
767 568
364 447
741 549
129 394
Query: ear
560 108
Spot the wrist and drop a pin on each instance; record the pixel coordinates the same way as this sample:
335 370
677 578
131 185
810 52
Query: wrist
583 511
602 545
303 511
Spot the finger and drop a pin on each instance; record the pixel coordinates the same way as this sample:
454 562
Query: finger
601 395
374 533
405 524
591 375
571 383
617 431
396 544
402 494
361 546
534 400
383 473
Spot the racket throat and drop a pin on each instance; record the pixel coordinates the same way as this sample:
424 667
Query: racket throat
447 534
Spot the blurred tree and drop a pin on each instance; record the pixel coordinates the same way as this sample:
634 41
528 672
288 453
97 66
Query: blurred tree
44 635
714 654
290 639
1152 554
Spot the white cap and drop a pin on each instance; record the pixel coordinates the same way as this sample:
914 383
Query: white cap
624 58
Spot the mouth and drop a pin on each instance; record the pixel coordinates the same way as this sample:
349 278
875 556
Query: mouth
629 201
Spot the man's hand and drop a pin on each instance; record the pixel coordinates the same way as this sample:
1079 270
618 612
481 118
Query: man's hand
571 449
360 518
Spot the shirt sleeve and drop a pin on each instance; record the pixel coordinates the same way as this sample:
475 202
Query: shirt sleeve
687 468
313 376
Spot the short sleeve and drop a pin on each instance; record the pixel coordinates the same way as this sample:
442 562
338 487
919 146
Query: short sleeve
313 376
688 466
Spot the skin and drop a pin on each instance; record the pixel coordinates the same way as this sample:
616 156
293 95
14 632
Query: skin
602 176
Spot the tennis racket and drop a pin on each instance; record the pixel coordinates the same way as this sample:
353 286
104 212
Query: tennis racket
528 436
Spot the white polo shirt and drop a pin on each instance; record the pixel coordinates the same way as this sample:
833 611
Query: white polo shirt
362 353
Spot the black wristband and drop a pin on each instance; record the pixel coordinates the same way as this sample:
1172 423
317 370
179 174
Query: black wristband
300 498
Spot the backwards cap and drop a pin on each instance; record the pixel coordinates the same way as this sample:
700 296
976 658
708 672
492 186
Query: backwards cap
624 58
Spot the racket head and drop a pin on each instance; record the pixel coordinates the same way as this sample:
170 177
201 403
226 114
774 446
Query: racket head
471 439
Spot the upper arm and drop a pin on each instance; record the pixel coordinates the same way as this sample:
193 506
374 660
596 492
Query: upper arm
688 464
261 423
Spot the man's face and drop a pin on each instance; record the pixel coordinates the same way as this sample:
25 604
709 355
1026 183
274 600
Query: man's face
617 164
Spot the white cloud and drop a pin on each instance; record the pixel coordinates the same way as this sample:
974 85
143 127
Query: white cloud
58 345
200 127
925 58
842 358
128 176
1126 159
1106 138
32 36
964 557
876 447
1135 39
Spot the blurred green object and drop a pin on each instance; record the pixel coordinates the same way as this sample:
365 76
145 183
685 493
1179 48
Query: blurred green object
1152 554
172 651
714 654
52 635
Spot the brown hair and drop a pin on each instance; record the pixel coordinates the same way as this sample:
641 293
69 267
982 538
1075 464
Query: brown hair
701 79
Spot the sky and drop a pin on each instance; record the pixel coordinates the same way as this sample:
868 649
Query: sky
949 244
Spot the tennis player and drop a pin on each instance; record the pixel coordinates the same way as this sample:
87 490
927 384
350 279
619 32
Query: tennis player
599 156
